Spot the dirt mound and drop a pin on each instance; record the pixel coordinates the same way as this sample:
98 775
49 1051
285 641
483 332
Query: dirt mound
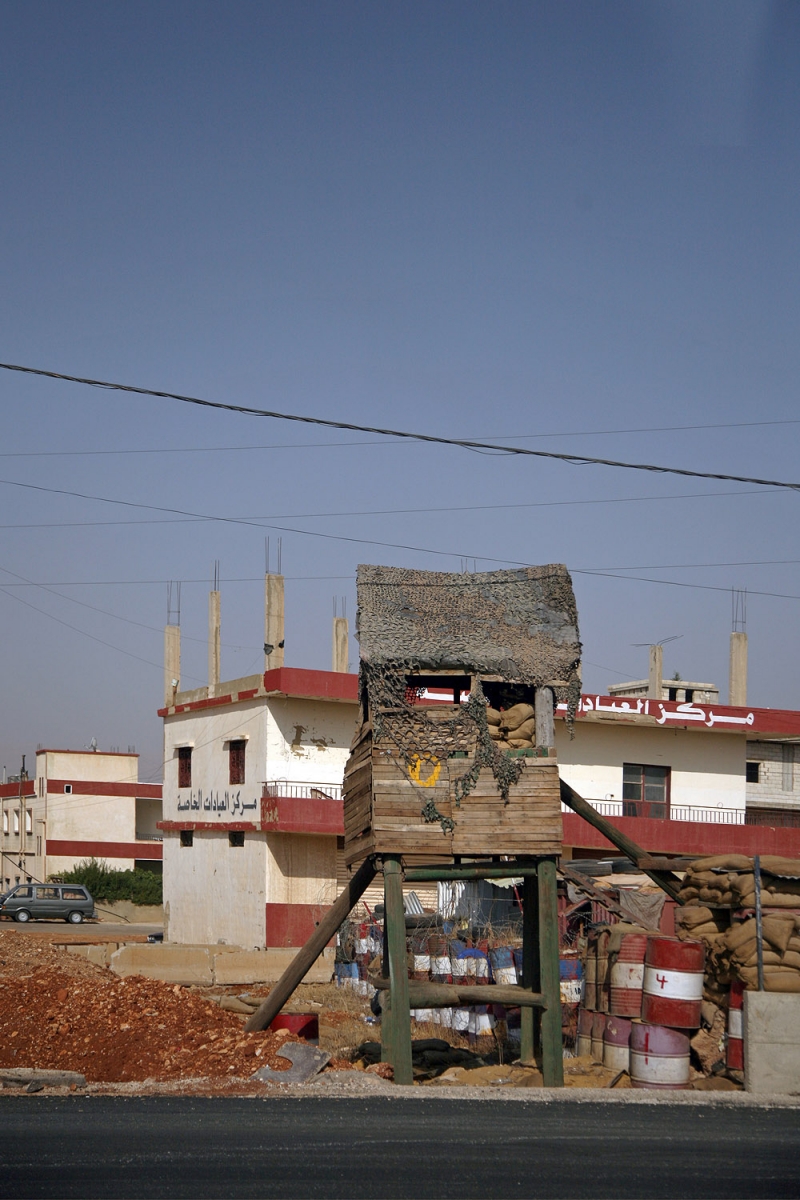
58 1011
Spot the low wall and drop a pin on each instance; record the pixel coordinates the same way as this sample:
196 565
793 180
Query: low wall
209 965
771 1028
126 911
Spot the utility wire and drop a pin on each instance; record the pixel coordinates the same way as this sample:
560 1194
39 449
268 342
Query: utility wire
462 443
394 512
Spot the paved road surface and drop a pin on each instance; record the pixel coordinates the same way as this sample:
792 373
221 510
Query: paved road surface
382 1147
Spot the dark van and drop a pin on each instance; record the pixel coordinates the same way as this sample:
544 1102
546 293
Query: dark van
48 902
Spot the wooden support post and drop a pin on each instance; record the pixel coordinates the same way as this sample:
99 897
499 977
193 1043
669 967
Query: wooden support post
395 922
386 1002
550 985
530 967
304 960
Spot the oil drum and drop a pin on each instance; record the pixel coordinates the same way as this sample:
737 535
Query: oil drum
590 986
673 983
616 1044
627 976
585 1022
659 1057
734 1057
598 1029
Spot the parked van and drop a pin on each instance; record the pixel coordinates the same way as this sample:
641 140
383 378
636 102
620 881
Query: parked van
48 902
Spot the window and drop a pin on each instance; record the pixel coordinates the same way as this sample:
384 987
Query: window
236 761
48 893
67 789
23 893
39 845
29 821
16 823
184 766
5 823
751 772
645 791
187 837
236 838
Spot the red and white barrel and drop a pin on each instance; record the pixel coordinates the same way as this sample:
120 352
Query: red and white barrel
603 977
659 1057
627 976
585 1021
590 978
616 1044
598 1029
673 983
734 1057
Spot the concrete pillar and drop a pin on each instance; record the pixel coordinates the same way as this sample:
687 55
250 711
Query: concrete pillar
172 663
544 715
340 645
737 679
273 622
656 676
214 636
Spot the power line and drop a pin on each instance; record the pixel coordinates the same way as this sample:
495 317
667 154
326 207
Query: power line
506 437
393 512
462 443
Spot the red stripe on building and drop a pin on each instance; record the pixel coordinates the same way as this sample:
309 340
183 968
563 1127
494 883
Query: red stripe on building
685 837
151 850
292 924
279 814
10 790
93 787
312 685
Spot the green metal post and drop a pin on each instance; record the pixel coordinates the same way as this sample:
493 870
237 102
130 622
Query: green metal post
395 923
529 1019
550 985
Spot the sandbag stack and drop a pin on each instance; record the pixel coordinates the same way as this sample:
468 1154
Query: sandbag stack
719 896
512 728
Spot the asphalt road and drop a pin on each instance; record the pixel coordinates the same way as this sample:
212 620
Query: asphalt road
385 1147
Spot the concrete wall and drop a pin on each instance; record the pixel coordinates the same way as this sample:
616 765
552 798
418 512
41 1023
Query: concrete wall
707 768
207 731
771 1028
779 775
301 868
308 740
213 891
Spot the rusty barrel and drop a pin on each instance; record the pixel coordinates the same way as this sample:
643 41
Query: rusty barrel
598 1029
501 959
616 1043
627 976
734 1057
659 1057
585 1022
602 971
673 982
590 977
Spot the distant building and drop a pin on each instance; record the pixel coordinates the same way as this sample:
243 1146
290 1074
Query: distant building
678 690
80 804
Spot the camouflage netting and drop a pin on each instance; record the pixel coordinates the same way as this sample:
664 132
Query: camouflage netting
520 626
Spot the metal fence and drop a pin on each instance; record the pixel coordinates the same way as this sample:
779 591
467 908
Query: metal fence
303 791
675 812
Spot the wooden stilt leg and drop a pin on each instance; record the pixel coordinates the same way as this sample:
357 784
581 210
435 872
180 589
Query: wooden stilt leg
530 966
400 1023
552 1055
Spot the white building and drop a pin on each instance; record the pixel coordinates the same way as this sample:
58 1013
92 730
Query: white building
252 806
80 804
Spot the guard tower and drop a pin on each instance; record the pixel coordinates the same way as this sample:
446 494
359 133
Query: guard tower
453 774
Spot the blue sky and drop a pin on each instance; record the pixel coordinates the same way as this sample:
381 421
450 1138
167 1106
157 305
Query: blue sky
541 221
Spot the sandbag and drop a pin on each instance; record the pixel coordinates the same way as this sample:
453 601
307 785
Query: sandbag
740 933
513 717
791 959
696 915
728 862
495 733
777 930
688 893
492 715
770 959
776 979
719 881
520 743
770 900
775 864
787 887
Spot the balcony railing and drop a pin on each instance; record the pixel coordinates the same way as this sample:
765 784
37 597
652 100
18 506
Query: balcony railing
148 837
675 812
303 791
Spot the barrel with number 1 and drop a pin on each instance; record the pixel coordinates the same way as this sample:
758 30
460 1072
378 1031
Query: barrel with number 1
673 983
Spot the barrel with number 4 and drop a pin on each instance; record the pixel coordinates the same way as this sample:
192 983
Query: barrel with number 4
673 983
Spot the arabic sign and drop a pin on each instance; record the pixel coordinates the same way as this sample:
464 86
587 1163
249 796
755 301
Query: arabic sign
665 711
230 803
